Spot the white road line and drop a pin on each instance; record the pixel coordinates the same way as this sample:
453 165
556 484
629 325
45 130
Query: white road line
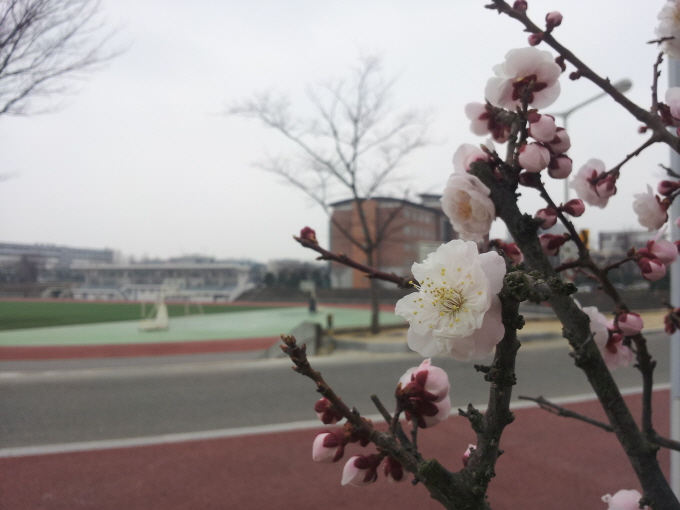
84 446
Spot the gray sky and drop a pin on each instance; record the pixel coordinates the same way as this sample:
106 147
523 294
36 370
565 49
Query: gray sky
141 160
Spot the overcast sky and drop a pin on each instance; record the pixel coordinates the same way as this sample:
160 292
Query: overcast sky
140 158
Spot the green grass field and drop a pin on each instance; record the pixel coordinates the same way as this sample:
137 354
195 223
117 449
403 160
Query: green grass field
29 314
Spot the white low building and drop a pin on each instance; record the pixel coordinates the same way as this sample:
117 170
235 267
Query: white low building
182 281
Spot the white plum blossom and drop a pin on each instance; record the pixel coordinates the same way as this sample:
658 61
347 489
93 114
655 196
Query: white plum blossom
650 211
456 310
467 204
525 70
542 127
669 26
598 324
561 143
613 352
467 154
624 500
591 192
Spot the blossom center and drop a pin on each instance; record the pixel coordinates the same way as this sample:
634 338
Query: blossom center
526 85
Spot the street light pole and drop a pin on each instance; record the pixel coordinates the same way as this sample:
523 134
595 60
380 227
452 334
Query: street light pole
622 86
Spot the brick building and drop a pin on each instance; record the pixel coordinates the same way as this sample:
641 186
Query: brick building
413 230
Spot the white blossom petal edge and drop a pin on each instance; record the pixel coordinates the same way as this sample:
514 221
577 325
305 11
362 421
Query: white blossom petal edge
456 310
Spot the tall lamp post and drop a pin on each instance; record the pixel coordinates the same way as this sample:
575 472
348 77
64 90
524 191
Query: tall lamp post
622 86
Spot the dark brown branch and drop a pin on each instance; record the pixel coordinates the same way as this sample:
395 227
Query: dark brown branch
370 272
562 411
655 83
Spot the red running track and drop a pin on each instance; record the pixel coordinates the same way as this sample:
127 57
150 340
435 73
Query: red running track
133 350
549 463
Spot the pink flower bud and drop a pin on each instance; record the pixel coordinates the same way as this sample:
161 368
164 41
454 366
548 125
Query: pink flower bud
361 470
551 243
308 234
672 321
542 127
534 157
394 472
651 269
553 19
663 250
665 188
535 39
560 167
561 143
520 5
328 446
549 217
425 381
326 412
574 207
468 452
512 251
630 323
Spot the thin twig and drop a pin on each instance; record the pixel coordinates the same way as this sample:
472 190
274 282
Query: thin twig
655 83
562 411
370 272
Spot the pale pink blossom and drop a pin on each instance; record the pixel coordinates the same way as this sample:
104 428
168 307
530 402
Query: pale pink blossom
651 269
553 19
326 412
561 143
560 167
552 243
549 217
526 71
574 207
673 102
669 26
467 204
589 188
542 127
663 250
467 154
394 471
482 122
429 416
468 452
361 470
456 310
629 323
534 157
614 353
598 324
624 500
328 446
650 211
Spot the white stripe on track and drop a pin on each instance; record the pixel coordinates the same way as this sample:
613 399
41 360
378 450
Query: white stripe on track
23 451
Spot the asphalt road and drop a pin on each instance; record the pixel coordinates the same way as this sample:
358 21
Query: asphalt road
42 404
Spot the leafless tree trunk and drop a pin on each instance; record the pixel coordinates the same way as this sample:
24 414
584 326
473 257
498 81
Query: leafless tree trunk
351 146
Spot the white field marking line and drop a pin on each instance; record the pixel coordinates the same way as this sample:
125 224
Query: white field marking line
24 451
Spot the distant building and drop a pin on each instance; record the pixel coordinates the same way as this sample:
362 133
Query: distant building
617 244
46 262
414 231
182 279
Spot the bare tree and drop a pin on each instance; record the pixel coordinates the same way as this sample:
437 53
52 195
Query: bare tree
352 145
43 43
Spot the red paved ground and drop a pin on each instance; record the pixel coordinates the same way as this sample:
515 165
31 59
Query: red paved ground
131 350
551 463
